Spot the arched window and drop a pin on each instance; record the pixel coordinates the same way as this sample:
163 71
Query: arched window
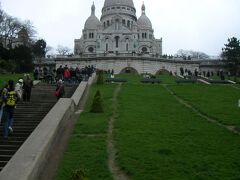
117 24
127 47
144 49
104 24
128 23
107 47
108 23
117 41
90 49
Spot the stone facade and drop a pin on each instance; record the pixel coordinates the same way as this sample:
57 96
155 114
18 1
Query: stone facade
118 32
140 65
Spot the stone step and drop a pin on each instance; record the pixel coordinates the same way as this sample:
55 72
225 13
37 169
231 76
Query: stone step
23 135
3 163
7 152
9 147
12 142
5 157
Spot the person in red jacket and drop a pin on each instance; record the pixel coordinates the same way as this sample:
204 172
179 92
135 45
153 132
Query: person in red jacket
66 74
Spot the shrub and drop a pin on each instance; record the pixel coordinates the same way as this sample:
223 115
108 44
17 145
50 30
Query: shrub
78 174
97 103
100 79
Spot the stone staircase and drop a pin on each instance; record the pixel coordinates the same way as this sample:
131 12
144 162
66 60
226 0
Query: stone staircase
27 117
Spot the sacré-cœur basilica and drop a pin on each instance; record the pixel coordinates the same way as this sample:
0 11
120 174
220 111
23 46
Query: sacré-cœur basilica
122 42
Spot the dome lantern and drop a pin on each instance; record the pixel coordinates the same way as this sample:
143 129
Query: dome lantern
143 9
93 10
92 22
144 22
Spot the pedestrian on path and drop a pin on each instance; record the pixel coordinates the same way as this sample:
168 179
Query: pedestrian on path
27 88
2 94
60 90
19 88
10 100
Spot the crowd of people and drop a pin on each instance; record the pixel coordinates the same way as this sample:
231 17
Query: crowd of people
10 95
66 74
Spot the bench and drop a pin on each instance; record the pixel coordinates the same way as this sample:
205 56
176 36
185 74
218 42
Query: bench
119 80
219 82
186 81
152 81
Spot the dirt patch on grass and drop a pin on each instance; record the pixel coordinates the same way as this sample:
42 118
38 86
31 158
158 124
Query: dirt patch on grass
117 172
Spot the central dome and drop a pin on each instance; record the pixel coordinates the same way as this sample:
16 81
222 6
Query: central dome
119 2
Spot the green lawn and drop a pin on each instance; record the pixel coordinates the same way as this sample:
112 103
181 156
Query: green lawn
217 101
233 79
135 79
158 138
4 78
87 147
215 77
166 79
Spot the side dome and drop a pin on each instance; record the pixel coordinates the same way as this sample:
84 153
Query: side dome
92 22
144 22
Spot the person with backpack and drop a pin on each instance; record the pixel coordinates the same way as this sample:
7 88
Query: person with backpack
10 99
2 93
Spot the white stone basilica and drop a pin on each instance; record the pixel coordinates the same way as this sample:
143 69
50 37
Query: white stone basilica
121 42
118 32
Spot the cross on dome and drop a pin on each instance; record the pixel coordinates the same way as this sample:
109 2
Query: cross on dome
93 9
143 9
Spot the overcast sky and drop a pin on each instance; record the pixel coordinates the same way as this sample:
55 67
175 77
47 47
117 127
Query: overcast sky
201 25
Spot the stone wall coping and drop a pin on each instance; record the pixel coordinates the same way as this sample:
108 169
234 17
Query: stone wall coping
136 58
76 97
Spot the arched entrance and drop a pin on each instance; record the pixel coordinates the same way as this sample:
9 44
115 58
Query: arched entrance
129 70
163 72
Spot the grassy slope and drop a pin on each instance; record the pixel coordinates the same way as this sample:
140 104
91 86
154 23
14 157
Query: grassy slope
157 138
217 101
166 79
4 78
89 152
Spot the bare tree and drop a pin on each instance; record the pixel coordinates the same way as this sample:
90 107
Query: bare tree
1 14
10 28
63 50
48 49
29 27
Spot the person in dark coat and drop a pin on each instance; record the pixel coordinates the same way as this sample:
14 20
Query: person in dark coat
27 88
